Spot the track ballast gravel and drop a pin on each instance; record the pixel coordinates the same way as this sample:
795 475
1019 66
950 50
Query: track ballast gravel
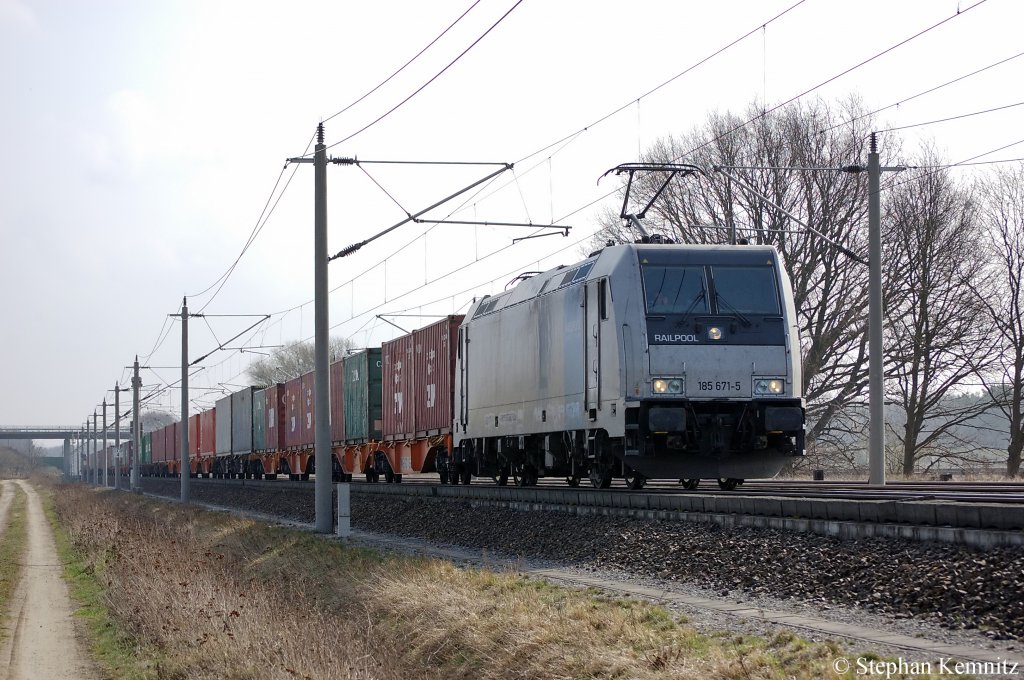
956 586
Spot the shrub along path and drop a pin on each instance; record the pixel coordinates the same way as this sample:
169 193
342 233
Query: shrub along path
41 640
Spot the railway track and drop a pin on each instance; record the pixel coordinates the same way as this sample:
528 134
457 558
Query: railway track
970 517
959 492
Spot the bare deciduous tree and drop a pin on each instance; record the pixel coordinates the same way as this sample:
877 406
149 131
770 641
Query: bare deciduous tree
291 361
933 263
1002 196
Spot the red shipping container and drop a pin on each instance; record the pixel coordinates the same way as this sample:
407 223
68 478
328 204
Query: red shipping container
193 435
308 409
176 448
172 441
293 419
338 401
276 417
399 385
208 432
435 348
156 442
173 450
168 436
170 453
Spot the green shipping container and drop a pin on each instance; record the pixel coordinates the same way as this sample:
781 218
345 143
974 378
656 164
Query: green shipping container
147 449
259 420
363 396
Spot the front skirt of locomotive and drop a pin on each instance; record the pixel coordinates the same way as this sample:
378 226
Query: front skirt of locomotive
764 465
714 439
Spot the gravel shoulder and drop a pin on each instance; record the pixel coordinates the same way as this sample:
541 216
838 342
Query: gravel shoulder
43 639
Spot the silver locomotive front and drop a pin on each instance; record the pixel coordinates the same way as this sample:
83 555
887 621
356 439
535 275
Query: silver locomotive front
721 395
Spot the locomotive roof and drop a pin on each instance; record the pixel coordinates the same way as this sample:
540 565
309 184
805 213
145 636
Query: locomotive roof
653 254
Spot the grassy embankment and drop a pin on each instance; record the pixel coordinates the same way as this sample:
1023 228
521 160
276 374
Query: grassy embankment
178 592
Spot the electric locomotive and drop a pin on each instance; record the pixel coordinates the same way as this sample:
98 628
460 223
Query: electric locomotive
645 360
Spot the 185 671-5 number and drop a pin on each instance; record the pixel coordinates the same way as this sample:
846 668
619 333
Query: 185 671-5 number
718 385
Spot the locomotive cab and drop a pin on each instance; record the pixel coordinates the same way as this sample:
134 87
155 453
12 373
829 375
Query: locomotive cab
721 395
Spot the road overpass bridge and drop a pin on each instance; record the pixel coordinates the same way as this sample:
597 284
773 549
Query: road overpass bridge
43 432
61 432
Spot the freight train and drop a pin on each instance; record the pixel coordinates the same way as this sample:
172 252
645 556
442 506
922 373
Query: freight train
645 360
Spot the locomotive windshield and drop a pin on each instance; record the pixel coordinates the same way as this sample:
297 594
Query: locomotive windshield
672 290
675 290
746 290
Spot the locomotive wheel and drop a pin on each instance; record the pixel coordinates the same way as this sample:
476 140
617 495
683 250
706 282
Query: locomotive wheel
501 479
573 480
689 484
467 475
524 474
729 484
634 480
599 478
442 465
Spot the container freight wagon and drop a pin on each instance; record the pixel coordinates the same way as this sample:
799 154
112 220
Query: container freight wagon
417 393
170 459
222 427
259 420
302 465
271 443
146 459
174 438
356 411
194 437
297 462
164 453
156 452
293 413
126 456
207 441
242 430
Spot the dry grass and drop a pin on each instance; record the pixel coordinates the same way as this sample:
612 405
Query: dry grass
205 595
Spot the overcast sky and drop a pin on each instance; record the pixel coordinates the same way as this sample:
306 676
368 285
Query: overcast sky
142 141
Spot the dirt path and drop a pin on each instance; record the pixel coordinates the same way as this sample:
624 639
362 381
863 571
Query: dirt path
41 638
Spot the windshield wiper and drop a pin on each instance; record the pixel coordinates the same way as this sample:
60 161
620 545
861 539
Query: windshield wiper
721 301
693 303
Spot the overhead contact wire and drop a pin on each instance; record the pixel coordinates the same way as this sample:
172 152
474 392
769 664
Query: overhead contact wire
403 66
424 85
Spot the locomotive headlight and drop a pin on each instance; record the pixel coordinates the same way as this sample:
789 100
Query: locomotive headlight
767 387
667 386
714 333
